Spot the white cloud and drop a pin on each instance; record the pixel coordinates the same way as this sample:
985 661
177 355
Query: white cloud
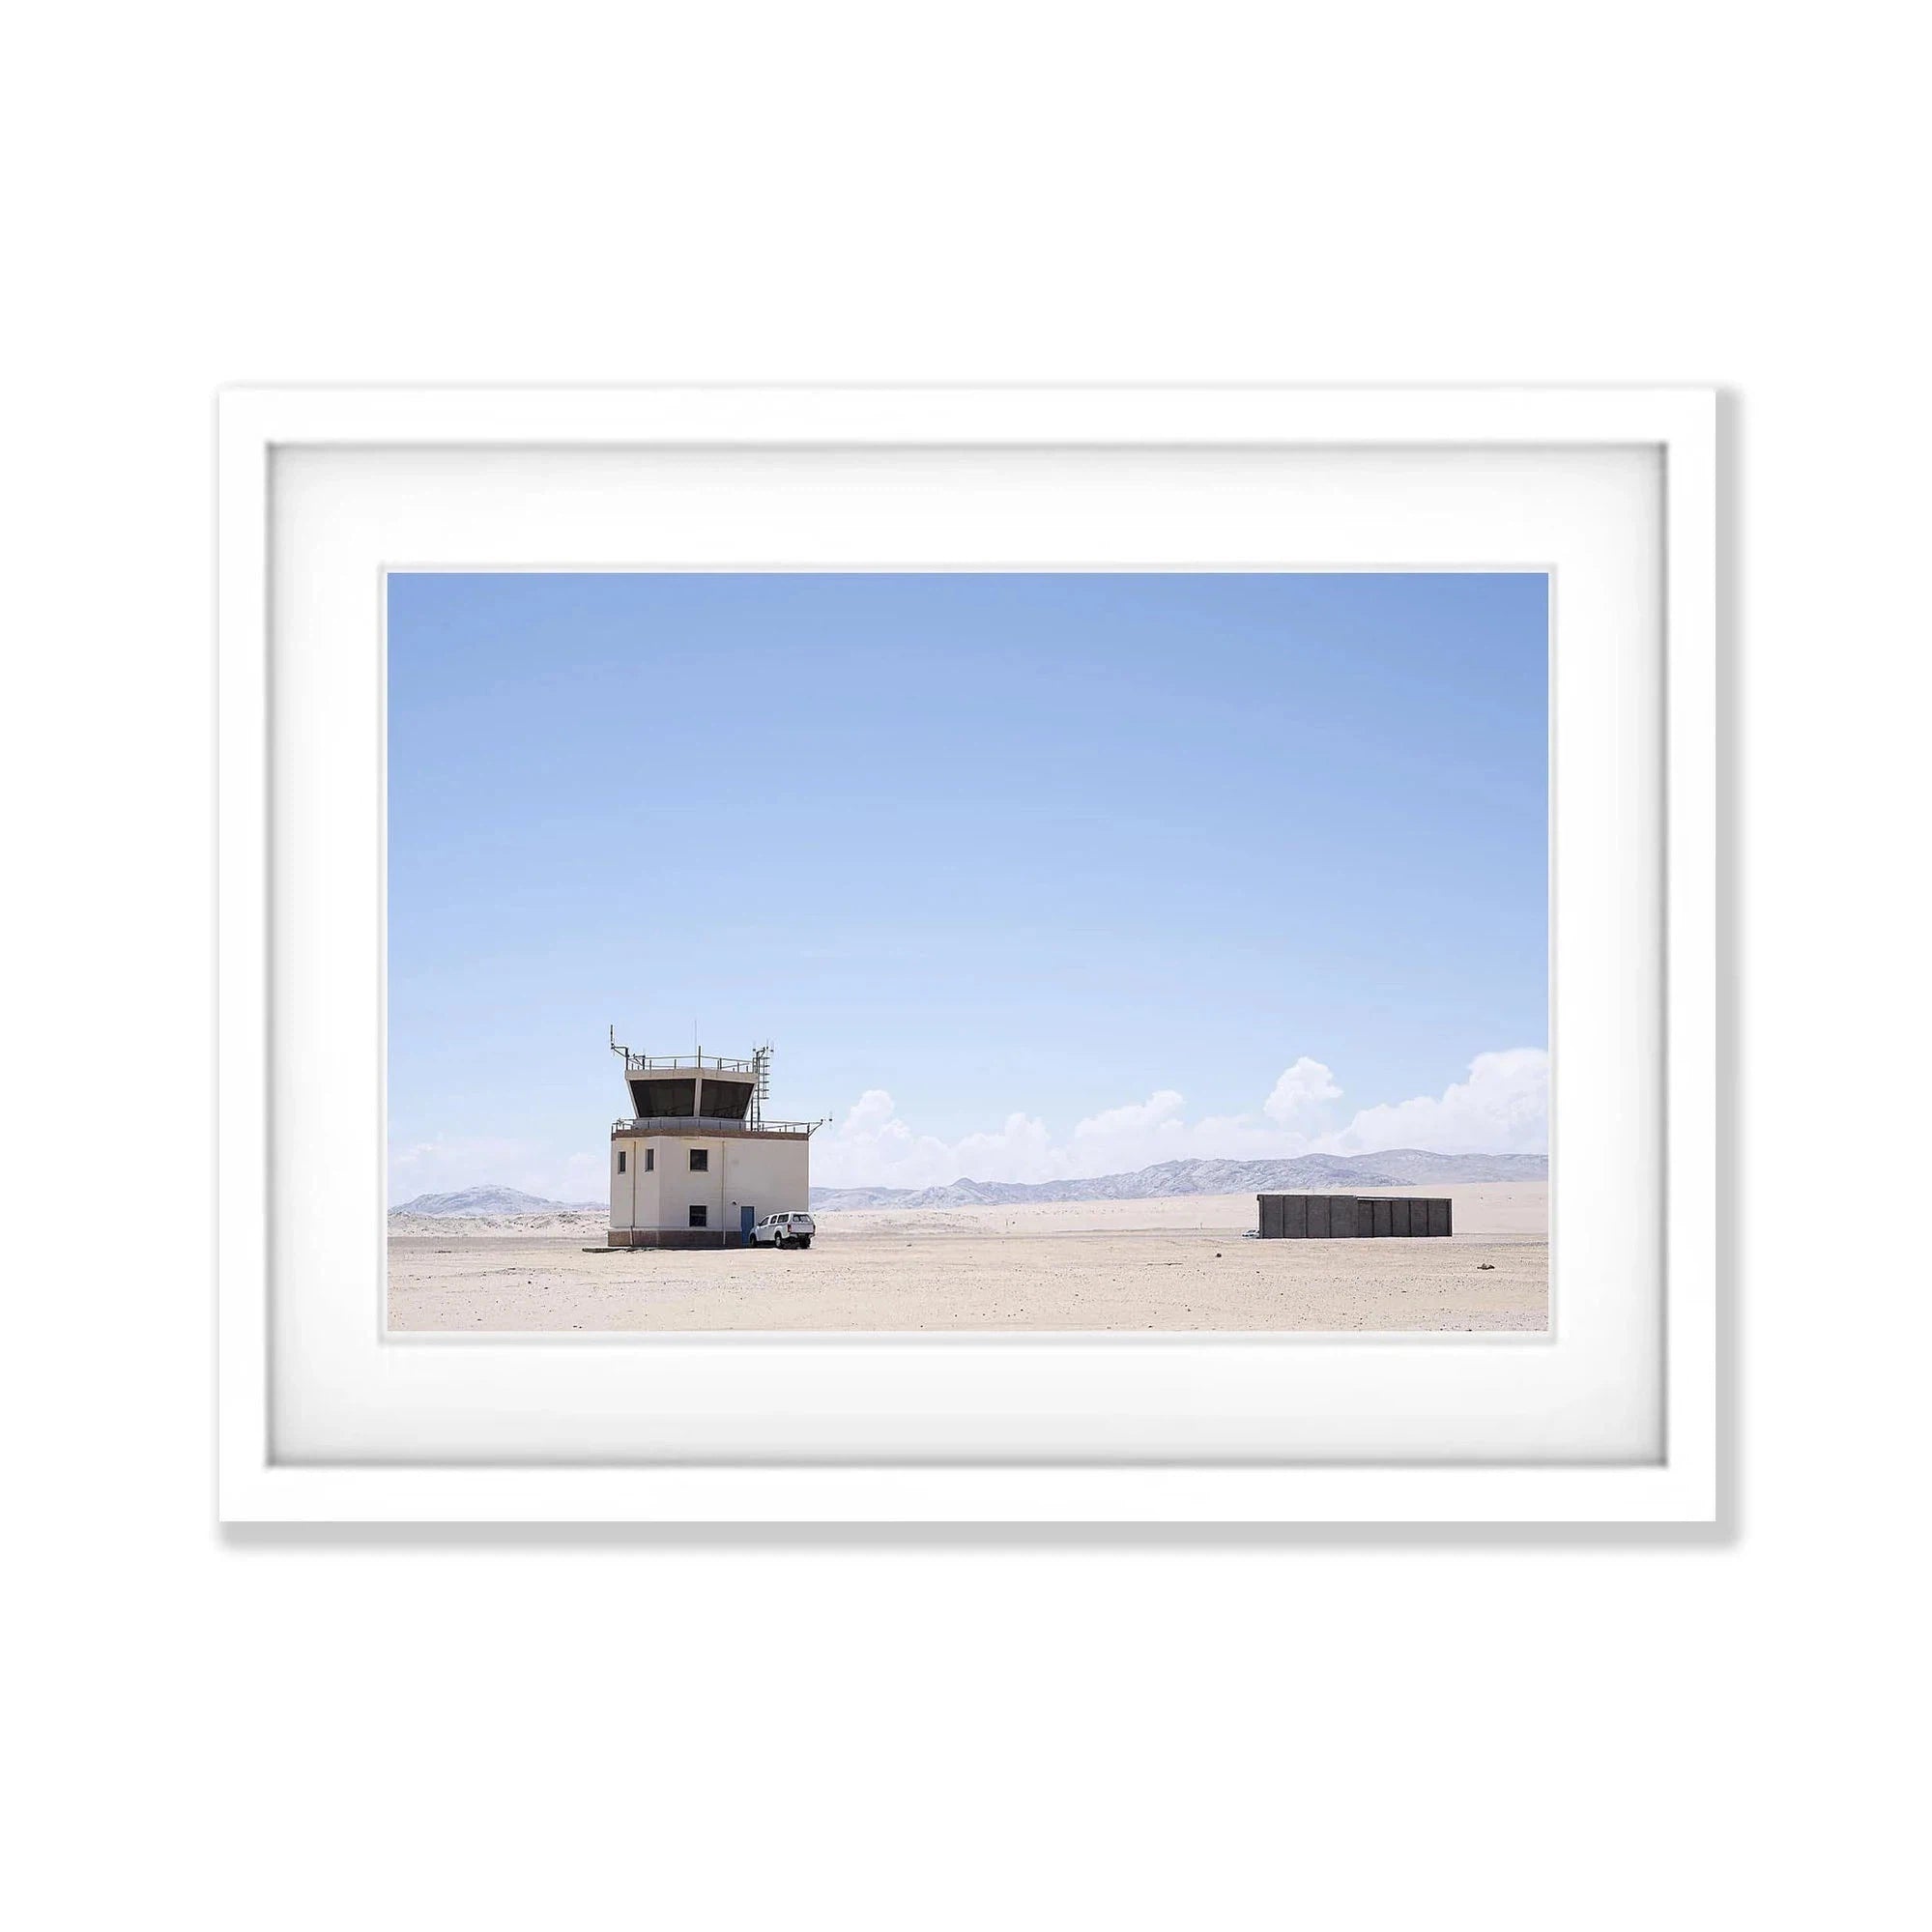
871 1141
1299 1093
1502 1108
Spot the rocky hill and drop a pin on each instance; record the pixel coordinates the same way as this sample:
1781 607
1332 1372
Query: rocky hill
490 1199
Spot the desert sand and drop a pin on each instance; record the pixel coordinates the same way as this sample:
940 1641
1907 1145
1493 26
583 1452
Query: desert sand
1178 1264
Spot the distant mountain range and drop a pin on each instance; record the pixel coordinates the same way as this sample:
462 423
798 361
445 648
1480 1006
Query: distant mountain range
1404 1166
492 1201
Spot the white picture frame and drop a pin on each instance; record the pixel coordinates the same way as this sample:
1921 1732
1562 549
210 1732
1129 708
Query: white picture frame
323 1418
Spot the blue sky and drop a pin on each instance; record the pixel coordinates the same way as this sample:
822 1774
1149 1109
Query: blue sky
1028 871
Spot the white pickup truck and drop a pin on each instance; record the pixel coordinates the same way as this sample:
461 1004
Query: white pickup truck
782 1230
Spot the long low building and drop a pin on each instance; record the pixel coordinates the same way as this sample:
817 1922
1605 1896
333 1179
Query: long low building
1328 1216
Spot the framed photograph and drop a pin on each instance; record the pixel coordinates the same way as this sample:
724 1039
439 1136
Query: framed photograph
968 956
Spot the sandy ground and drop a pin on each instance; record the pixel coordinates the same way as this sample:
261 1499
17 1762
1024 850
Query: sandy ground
1177 1263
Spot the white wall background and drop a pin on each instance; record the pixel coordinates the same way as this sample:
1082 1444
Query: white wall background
579 1730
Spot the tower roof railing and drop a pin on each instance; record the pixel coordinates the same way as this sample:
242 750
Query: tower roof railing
704 1123
685 1063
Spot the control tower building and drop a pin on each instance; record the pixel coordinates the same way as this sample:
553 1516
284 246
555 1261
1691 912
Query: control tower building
696 1161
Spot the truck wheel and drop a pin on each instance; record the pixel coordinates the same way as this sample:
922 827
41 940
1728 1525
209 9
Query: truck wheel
804 1241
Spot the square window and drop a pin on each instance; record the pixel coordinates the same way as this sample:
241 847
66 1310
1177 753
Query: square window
621 1159
649 1158
700 1162
698 1217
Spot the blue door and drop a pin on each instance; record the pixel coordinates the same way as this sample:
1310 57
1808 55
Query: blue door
746 1216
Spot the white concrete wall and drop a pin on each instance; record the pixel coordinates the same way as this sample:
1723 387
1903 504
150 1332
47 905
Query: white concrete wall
634 1195
622 1185
773 1177
678 1188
